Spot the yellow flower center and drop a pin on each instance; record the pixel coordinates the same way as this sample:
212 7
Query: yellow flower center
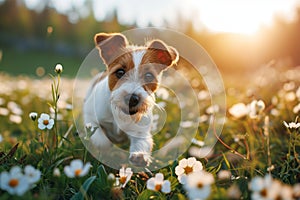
199 185
77 172
46 122
122 179
13 183
188 170
278 198
158 187
264 192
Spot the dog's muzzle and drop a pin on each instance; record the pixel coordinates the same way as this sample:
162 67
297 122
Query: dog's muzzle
132 100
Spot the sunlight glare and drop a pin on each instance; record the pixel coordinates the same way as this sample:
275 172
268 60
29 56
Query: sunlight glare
244 17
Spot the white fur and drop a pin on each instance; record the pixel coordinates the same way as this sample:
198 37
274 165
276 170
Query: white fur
102 110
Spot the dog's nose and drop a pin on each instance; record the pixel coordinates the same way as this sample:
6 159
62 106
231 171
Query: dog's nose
132 100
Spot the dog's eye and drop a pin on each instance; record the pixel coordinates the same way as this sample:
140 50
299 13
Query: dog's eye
119 73
149 77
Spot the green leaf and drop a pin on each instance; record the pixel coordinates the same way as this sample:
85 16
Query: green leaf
83 189
102 173
179 197
147 194
58 162
173 182
226 161
102 176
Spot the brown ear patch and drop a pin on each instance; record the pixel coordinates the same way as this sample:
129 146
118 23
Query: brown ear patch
161 54
110 46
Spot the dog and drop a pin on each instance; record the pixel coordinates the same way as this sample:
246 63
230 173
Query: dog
120 100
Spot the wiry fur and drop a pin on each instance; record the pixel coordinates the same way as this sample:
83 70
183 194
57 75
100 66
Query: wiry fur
104 106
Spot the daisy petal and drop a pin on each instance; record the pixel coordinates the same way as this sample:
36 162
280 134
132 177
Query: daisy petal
191 161
182 179
68 172
122 172
128 170
159 178
151 184
179 170
256 184
166 187
85 169
183 163
76 164
197 166
16 170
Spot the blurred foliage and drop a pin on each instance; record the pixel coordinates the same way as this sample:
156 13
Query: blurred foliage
32 36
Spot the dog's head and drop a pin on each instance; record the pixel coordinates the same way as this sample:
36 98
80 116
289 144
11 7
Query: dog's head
134 72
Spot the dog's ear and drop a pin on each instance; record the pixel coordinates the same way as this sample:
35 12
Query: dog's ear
110 45
163 54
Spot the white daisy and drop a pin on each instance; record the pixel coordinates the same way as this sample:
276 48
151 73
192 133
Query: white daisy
158 183
45 122
187 166
198 184
291 125
14 182
238 110
1 138
264 188
294 125
125 176
77 169
255 108
33 175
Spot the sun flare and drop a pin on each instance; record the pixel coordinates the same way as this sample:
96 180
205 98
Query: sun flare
244 17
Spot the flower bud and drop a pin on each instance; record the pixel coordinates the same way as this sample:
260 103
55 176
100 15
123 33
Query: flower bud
58 68
33 116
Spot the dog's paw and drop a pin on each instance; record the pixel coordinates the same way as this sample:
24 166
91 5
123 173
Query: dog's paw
139 159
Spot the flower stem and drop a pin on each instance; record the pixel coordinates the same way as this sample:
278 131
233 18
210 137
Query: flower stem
225 145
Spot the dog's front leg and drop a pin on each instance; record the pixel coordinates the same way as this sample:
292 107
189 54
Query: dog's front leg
100 140
140 150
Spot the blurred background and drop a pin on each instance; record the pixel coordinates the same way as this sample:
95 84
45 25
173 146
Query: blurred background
240 36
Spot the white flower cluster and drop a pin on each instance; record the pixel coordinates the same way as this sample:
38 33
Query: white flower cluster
195 180
44 121
16 182
271 189
253 110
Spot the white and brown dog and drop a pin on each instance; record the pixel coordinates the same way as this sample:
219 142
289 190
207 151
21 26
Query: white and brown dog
120 100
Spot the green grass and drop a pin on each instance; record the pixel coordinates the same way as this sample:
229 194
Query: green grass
26 62
243 147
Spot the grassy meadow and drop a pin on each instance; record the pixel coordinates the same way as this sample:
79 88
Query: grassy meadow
256 156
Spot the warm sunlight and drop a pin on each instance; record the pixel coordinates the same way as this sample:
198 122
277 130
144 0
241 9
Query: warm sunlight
244 17
233 16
